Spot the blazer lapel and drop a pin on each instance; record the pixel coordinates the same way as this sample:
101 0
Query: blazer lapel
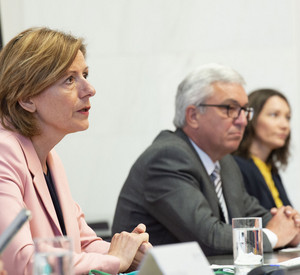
38 178
231 190
209 191
65 197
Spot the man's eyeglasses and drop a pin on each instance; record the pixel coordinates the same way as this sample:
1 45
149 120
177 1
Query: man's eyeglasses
233 111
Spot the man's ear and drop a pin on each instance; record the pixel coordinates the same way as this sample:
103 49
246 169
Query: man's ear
191 116
27 104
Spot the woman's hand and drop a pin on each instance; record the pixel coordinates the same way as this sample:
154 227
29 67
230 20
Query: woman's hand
140 254
130 247
2 271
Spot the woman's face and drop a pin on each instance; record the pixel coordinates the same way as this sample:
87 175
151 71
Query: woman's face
273 123
63 108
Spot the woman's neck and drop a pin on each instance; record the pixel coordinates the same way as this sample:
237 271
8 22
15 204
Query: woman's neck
43 144
259 150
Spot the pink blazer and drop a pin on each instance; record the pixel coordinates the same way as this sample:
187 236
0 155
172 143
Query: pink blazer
22 184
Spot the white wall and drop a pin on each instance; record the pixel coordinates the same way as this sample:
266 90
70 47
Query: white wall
138 52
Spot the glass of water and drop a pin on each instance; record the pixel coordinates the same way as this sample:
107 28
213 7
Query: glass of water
53 256
247 244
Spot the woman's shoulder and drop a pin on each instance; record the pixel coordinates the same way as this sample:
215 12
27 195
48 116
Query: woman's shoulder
241 161
15 148
8 139
247 165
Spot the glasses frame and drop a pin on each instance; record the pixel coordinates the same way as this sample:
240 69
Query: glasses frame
249 111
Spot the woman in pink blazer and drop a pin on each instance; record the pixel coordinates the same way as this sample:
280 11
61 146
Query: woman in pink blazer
2 271
45 95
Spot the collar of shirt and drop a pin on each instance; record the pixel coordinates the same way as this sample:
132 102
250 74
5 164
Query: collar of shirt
209 165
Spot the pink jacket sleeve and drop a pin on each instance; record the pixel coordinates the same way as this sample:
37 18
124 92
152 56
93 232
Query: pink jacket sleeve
22 184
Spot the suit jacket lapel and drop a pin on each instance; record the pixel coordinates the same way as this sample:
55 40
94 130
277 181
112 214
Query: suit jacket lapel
38 178
65 198
210 192
58 178
230 182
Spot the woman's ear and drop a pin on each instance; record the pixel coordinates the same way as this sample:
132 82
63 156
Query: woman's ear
27 104
191 116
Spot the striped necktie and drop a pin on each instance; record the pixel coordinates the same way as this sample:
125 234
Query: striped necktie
216 178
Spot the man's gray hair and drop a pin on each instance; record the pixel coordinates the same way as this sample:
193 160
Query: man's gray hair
197 87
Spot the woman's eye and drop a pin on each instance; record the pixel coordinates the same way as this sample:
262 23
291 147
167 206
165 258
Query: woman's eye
273 114
85 75
70 80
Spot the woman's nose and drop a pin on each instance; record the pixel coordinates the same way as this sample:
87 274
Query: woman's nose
87 89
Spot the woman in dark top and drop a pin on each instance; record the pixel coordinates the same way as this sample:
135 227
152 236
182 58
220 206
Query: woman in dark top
265 147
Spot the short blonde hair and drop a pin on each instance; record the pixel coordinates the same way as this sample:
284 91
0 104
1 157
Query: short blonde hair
31 62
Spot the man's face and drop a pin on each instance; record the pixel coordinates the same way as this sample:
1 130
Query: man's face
219 134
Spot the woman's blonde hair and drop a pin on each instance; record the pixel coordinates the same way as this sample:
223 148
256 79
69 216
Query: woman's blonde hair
31 62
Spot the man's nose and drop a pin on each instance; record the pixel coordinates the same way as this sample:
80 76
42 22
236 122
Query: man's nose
241 119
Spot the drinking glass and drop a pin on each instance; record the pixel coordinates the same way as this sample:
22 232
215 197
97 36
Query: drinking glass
53 256
247 244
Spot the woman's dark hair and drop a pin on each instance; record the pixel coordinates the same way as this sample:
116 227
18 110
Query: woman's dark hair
278 157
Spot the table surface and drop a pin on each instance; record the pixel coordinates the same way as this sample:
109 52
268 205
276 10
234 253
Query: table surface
269 258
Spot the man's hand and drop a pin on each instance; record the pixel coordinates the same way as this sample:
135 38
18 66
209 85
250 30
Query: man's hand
284 226
289 212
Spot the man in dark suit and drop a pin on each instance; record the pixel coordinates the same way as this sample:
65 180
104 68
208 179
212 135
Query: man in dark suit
170 188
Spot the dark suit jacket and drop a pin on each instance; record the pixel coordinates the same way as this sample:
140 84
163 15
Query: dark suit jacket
169 190
256 185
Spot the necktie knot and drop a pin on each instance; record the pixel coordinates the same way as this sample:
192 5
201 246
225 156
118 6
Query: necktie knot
217 169
216 173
